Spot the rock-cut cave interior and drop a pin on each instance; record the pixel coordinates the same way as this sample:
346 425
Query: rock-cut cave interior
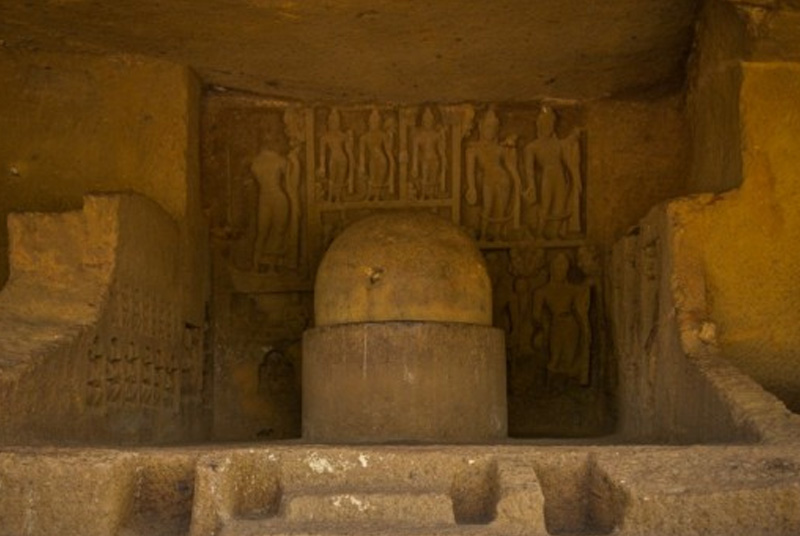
372 266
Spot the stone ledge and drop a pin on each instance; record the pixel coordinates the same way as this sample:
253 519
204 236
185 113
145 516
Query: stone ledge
723 490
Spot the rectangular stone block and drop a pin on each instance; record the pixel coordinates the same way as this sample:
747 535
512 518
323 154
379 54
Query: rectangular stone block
520 501
66 495
698 492
404 381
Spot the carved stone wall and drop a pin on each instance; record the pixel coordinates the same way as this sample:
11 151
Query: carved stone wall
75 124
282 179
93 346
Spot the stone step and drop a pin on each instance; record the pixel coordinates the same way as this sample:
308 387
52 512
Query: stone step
346 506
274 527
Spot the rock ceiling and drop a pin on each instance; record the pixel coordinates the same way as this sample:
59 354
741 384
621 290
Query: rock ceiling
381 50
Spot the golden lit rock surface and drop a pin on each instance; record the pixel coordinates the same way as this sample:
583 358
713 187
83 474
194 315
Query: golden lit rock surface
747 237
403 266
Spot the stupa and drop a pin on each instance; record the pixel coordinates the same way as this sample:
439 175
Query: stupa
404 349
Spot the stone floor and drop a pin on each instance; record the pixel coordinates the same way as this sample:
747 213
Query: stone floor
300 489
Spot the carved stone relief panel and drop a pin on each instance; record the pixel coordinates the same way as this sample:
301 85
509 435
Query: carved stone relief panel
524 177
281 180
256 190
549 303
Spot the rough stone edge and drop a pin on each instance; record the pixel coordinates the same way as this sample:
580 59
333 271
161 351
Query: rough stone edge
97 274
759 413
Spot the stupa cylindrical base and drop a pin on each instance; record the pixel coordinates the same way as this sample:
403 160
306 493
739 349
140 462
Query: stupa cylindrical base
404 381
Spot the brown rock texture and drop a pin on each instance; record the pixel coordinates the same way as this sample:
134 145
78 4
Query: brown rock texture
477 490
367 50
75 124
404 381
92 347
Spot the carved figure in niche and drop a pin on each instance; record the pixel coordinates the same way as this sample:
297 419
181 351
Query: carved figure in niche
494 164
390 129
556 164
335 158
274 210
562 308
275 374
528 266
428 161
293 121
376 158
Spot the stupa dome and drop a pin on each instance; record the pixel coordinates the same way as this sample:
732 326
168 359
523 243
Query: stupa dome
403 266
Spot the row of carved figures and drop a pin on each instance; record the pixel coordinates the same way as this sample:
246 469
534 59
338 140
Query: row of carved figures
551 178
550 189
379 165
543 201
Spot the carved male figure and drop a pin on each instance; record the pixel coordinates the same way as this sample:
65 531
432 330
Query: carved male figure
376 158
293 122
428 161
274 208
335 157
496 166
528 266
556 163
566 322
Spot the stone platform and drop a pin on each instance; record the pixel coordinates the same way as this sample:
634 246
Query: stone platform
297 489
404 381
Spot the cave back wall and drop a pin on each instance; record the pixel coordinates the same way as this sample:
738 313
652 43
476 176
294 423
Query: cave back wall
533 183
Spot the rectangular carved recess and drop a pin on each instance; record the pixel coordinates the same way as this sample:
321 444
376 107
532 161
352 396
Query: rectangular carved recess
282 179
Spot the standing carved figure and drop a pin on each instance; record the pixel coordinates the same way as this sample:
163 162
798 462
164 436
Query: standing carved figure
566 323
293 122
273 210
556 164
376 158
428 161
335 157
528 266
495 164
